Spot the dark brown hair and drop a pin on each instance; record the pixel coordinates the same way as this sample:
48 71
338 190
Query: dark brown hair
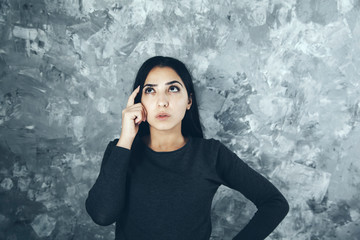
190 125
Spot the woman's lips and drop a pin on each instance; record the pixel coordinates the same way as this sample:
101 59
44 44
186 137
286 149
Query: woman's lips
162 116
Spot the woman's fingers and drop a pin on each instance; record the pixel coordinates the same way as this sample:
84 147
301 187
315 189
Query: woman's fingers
139 111
132 116
132 97
144 115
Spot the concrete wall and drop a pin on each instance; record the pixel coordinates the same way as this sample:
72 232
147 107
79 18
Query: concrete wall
277 82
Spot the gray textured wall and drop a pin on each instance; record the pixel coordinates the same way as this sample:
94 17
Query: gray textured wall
277 82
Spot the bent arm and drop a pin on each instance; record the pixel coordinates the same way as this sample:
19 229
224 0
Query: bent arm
271 204
106 198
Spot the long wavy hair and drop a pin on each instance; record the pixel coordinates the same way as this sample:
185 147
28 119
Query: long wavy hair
190 125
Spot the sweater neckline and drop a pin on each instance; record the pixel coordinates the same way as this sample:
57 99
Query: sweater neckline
183 148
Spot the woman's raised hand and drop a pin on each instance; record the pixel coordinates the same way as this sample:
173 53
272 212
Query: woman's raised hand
132 116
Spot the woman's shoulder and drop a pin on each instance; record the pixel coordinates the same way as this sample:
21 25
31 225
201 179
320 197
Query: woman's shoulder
209 144
206 140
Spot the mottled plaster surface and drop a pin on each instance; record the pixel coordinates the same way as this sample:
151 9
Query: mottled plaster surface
277 82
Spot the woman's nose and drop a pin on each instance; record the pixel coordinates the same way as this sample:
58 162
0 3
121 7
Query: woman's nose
163 100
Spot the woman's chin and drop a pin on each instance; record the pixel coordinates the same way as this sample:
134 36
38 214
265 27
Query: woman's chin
162 126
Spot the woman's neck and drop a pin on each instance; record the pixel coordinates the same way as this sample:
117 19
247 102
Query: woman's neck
165 143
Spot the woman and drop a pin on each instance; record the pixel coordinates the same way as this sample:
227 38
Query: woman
157 181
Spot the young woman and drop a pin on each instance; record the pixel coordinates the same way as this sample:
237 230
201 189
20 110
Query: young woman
157 181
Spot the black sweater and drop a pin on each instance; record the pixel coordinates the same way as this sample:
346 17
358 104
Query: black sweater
168 195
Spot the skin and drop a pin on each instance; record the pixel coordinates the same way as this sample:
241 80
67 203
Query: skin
165 135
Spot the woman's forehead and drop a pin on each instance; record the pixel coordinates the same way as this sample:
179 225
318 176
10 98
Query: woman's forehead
162 75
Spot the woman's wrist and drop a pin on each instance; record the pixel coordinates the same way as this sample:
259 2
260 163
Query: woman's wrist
125 142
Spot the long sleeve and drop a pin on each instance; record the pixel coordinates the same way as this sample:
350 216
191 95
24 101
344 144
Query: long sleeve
107 196
272 207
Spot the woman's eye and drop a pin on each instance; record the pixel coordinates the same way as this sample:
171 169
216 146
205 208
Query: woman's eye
172 89
146 90
177 89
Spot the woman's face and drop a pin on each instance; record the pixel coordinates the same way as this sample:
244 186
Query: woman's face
165 92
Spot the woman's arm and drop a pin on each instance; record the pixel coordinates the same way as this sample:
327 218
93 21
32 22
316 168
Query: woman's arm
106 198
271 204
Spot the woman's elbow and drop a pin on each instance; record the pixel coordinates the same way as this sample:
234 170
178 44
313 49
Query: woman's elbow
102 220
284 207
98 216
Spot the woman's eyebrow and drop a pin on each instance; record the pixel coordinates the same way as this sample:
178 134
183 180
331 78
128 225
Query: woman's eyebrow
169 83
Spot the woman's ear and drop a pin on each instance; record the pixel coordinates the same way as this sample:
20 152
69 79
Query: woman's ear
189 102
